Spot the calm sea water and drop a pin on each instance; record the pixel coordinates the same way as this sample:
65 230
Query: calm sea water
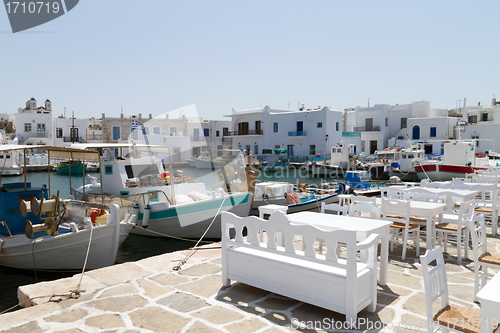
135 247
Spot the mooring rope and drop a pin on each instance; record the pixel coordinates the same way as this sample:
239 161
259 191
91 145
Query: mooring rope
183 261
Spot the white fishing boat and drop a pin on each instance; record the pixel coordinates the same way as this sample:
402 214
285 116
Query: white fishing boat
336 165
7 165
298 197
459 159
37 231
165 205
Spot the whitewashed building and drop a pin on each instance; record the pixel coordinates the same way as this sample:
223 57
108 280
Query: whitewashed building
216 138
381 122
482 123
34 124
304 132
69 130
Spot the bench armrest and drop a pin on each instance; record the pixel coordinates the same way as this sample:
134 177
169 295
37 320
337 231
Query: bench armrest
370 241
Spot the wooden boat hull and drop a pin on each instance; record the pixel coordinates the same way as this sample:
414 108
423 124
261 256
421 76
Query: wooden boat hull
192 220
66 251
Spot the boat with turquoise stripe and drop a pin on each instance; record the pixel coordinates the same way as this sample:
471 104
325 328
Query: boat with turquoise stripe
183 207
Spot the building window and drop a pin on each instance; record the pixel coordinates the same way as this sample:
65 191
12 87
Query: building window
403 123
216 133
312 150
277 146
59 133
206 132
275 127
219 151
145 130
386 122
247 149
256 149
27 127
485 117
225 130
337 126
156 130
363 146
433 131
472 119
173 130
116 132
319 125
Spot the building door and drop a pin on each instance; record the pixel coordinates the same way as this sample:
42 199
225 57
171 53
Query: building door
258 127
290 150
373 146
416 132
177 154
74 134
300 126
428 149
196 134
41 130
369 124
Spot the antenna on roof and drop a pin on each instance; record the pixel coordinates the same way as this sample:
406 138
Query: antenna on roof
64 112
368 101
122 110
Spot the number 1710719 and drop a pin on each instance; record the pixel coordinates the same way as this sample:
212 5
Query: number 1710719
32 7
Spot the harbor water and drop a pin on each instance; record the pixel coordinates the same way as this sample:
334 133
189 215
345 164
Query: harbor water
135 247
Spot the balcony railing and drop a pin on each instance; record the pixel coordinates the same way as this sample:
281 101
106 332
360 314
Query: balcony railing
247 132
297 133
367 129
351 134
227 140
37 134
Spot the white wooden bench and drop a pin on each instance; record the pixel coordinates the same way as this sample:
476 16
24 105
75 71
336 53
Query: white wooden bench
344 285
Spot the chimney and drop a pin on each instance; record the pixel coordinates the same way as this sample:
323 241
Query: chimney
103 115
121 115
150 116
140 116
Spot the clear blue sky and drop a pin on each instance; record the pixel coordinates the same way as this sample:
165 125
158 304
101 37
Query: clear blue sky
156 56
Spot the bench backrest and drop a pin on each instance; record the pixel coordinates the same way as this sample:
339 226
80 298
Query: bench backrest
238 231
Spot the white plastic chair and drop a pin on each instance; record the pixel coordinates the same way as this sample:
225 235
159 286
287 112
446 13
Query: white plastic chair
456 226
424 196
401 230
482 258
362 199
454 317
333 209
365 210
398 194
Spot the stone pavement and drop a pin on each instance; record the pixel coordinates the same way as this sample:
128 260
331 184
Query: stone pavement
149 296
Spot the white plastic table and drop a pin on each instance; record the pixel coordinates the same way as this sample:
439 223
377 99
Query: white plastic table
489 297
426 209
364 227
269 209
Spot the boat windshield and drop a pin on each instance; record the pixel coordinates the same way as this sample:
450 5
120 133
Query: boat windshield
138 170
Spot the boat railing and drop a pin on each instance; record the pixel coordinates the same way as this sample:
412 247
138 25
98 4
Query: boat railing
123 200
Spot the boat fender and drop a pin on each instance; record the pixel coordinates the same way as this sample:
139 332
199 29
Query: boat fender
145 217
135 212
131 220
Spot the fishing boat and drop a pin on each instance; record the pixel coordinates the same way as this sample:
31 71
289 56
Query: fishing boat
164 204
337 165
459 159
73 167
7 165
37 230
298 197
275 160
